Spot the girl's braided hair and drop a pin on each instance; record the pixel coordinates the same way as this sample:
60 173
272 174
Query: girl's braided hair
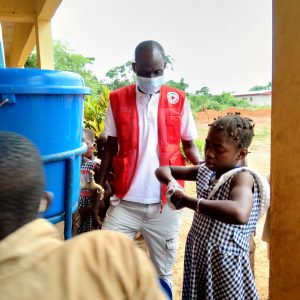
238 127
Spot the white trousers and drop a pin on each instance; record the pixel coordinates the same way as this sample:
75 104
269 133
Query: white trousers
159 229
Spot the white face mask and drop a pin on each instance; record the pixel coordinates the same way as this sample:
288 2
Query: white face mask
149 86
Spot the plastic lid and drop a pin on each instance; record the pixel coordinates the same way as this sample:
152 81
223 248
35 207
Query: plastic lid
37 81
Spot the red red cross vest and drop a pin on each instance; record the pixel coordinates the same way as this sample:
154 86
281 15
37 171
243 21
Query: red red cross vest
123 104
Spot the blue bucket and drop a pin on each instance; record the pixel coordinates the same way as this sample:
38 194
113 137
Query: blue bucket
47 107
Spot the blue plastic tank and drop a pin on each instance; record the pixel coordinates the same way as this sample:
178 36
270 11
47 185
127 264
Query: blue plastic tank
47 107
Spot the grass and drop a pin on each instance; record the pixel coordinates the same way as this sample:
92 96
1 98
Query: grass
263 134
266 107
262 138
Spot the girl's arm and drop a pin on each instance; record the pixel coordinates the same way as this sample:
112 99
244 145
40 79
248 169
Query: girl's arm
167 173
235 210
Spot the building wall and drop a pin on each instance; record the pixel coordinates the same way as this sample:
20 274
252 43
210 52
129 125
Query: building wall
257 100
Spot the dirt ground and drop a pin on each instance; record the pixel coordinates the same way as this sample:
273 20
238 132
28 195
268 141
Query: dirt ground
259 159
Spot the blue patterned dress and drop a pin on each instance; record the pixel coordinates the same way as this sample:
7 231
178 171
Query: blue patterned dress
216 264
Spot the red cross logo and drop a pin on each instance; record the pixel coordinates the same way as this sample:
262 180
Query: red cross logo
173 97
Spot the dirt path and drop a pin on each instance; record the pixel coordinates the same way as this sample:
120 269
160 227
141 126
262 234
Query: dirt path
259 159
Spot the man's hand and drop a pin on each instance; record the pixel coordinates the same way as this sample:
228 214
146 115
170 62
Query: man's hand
177 199
173 186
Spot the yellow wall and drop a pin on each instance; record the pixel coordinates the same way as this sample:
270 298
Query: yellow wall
285 156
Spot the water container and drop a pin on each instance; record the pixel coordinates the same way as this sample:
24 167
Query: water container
47 107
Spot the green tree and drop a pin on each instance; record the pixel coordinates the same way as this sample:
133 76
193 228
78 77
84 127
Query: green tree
67 60
257 88
32 60
123 75
95 105
119 76
261 87
181 85
204 91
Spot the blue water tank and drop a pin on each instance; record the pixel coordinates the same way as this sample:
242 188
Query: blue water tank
47 107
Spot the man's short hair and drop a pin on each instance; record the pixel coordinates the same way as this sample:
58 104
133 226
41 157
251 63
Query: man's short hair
21 178
150 44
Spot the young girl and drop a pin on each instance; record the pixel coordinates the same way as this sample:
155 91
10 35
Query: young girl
229 201
91 209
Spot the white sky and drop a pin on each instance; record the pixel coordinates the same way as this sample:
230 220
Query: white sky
225 45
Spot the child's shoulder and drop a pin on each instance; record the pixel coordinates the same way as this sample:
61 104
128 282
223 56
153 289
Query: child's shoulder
261 184
204 170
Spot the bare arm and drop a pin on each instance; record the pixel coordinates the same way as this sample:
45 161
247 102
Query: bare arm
101 173
235 210
167 173
110 150
191 151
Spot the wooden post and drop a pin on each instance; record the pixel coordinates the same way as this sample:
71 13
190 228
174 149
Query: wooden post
285 153
44 44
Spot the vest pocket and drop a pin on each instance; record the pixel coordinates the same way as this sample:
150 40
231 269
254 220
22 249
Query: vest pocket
173 120
124 127
173 123
121 167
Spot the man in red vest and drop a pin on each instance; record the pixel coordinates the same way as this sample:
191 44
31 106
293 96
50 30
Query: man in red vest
145 123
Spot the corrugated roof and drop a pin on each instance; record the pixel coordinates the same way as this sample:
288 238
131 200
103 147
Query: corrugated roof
252 93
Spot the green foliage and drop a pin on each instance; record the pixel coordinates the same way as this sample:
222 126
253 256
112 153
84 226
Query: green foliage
203 91
66 60
169 62
95 106
264 107
204 100
261 87
119 76
32 60
123 75
181 85
263 133
95 110
199 143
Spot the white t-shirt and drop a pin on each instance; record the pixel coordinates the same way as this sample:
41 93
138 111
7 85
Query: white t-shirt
145 188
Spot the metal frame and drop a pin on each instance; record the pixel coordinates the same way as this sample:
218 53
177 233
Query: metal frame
66 216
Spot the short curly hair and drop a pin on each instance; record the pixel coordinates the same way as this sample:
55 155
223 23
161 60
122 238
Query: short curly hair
22 181
239 128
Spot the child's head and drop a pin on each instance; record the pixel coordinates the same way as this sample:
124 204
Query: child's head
89 138
22 182
227 141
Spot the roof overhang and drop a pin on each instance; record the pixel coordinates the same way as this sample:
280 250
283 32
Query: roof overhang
26 24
